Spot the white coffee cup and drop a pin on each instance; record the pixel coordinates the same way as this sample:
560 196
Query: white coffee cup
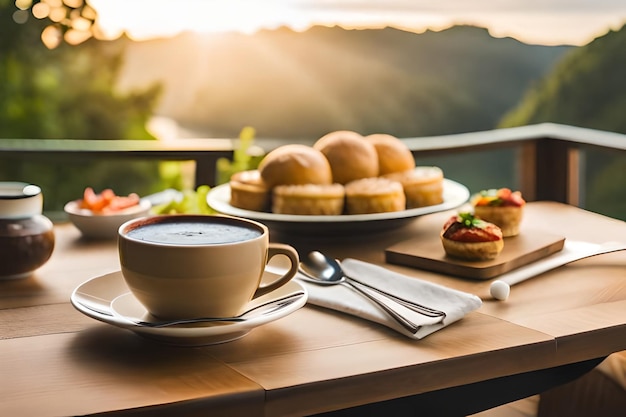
184 266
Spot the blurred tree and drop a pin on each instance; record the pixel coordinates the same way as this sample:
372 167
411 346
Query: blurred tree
58 82
587 88
57 89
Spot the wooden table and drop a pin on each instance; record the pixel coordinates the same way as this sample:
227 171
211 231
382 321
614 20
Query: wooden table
56 361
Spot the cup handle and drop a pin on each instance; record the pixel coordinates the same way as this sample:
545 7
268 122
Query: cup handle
279 249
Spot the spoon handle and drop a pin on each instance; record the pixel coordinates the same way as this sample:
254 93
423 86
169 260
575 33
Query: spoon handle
257 311
407 324
418 308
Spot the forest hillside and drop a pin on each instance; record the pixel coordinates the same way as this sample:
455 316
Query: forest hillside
587 88
299 85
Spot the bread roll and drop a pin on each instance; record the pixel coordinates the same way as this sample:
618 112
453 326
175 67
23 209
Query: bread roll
248 191
351 157
309 199
374 195
393 154
295 164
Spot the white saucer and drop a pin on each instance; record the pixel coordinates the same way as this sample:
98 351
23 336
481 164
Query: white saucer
94 298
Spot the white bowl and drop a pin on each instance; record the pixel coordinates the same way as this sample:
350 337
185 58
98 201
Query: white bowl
103 226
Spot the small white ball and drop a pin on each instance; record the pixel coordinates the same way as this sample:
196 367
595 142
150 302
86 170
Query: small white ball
500 290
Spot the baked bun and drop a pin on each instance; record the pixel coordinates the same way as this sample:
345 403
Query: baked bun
393 154
423 186
351 157
467 237
311 199
374 195
248 191
295 164
502 207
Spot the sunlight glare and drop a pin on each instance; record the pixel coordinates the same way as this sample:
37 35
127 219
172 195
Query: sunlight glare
51 37
41 10
145 19
73 3
57 14
20 16
54 3
74 37
23 4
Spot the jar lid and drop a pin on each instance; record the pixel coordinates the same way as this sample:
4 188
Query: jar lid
19 200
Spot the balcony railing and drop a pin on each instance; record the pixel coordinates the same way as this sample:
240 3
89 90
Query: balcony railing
548 160
550 164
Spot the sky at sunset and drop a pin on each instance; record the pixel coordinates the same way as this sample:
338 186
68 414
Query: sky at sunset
534 21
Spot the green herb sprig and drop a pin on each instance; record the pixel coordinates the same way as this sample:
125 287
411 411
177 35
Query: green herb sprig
469 220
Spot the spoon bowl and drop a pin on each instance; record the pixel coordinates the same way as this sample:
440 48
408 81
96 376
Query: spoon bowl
322 269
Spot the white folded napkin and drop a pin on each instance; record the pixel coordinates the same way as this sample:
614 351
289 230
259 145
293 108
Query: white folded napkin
342 298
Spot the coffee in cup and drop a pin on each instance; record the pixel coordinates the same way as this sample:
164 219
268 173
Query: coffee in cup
184 266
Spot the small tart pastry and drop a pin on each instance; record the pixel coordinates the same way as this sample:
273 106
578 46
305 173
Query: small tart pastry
374 195
467 237
501 207
311 199
248 191
423 186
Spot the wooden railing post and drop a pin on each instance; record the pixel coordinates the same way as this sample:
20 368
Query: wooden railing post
552 168
527 168
206 169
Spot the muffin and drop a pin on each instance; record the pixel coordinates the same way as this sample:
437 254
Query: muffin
295 164
351 157
248 191
423 186
311 199
467 237
502 207
393 154
374 195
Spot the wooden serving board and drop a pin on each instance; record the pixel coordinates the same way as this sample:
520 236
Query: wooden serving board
427 253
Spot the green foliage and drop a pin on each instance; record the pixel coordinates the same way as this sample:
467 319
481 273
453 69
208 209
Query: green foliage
192 202
605 176
68 92
71 95
64 179
242 158
587 88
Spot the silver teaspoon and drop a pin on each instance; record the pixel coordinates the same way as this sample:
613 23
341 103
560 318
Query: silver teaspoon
328 271
257 311
319 269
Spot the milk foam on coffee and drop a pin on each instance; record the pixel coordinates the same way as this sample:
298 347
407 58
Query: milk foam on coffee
193 233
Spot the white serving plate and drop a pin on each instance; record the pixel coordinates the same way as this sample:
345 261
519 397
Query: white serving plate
454 195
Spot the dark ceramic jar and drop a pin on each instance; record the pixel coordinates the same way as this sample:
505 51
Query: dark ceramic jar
26 236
